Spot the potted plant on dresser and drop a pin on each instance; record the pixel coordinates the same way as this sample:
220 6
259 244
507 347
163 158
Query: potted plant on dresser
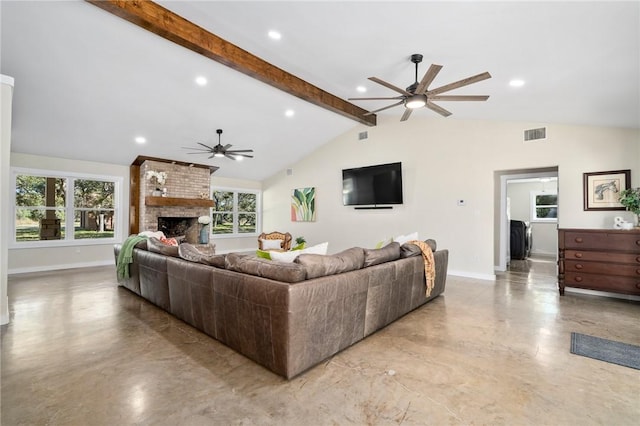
630 198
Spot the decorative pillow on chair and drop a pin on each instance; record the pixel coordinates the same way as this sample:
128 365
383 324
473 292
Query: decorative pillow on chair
271 244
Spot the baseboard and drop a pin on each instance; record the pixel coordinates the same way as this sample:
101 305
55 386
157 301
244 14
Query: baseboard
465 274
601 293
4 316
46 268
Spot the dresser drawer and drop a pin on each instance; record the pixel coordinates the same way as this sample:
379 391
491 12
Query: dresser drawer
602 256
602 268
615 284
629 242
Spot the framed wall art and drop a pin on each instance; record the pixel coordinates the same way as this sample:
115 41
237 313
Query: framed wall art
602 189
303 205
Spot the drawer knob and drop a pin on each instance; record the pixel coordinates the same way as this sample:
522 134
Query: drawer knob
579 266
638 271
638 242
578 279
638 285
579 240
579 256
638 259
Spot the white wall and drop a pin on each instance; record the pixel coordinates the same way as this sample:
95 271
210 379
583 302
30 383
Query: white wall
38 259
6 104
445 160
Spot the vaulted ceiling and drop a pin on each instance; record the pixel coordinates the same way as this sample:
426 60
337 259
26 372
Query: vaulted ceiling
88 82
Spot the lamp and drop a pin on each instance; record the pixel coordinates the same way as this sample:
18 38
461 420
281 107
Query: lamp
415 101
218 154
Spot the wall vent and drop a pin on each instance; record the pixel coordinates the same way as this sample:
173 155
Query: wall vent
535 134
363 135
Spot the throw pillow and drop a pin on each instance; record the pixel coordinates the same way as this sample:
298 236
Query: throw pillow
384 242
386 254
320 265
263 254
149 234
271 244
401 239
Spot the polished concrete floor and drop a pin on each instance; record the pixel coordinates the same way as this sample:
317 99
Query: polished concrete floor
81 351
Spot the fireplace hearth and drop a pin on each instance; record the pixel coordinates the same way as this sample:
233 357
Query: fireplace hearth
178 226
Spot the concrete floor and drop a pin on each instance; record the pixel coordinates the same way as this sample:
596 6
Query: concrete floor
81 351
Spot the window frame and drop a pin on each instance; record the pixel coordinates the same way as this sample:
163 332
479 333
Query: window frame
69 209
235 212
534 217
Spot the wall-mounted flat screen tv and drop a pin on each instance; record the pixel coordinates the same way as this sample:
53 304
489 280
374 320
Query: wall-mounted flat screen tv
372 185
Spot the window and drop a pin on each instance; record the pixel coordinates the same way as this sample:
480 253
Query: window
51 207
544 206
236 212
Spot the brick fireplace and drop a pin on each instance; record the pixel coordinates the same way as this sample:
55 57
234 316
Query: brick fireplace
187 198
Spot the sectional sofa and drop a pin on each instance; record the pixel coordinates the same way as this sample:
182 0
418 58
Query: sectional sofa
287 317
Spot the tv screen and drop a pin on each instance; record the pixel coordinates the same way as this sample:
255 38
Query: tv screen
372 185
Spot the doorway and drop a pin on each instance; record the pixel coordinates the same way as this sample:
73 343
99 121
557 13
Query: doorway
521 197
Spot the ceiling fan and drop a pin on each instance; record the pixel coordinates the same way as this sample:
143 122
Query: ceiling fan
418 95
221 151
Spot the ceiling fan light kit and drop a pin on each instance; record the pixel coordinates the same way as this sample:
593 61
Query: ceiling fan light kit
418 95
221 151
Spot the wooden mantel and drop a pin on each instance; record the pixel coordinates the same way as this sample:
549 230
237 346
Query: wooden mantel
177 202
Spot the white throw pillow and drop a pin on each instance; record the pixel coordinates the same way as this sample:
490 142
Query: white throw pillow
401 239
271 244
290 256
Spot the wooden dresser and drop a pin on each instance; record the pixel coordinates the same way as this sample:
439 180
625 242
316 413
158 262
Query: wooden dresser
599 259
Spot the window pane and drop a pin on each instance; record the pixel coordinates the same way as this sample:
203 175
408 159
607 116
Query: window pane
223 201
93 224
247 202
546 212
31 191
222 223
93 193
546 200
246 223
39 224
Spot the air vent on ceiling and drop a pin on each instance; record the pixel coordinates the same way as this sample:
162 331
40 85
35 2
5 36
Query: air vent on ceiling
363 135
532 135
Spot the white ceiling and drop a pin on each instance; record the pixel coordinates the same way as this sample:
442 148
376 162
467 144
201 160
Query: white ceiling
88 82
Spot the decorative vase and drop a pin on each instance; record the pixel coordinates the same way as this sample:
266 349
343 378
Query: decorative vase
156 192
204 235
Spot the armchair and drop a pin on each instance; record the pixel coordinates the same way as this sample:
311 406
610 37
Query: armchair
268 241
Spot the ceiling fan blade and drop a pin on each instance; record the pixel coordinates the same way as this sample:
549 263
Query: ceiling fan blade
208 147
390 86
375 99
237 151
243 155
196 149
461 83
387 107
438 109
459 98
227 146
406 115
428 78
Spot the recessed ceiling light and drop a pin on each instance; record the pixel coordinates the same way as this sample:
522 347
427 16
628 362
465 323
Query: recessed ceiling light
274 35
201 81
361 89
516 83
140 139
289 113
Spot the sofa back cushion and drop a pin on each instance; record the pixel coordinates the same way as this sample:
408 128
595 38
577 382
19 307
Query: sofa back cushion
318 265
385 254
191 253
156 246
410 250
274 270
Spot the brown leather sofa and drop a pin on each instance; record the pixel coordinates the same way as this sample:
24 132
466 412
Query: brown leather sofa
287 317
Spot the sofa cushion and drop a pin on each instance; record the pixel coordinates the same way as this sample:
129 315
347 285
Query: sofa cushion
156 246
279 271
410 250
385 254
191 253
289 256
318 265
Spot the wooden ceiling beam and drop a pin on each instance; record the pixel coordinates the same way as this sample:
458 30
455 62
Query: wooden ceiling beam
163 22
